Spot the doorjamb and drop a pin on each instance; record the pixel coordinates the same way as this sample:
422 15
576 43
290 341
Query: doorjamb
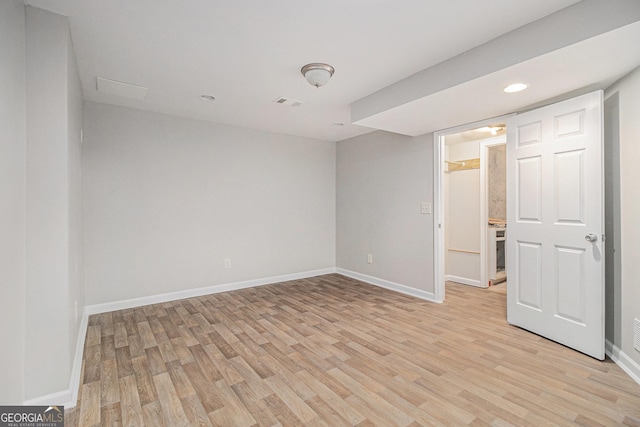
485 144
438 197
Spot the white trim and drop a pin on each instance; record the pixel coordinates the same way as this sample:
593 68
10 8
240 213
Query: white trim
60 398
69 398
438 198
438 223
189 293
485 144
627 364
76 370
403 289
463 280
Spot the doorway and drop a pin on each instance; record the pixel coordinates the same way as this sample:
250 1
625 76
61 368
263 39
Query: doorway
461 230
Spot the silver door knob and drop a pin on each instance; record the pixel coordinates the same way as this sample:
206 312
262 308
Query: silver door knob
591 238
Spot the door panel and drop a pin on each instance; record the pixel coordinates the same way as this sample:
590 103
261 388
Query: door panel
554 196
529 275
529 194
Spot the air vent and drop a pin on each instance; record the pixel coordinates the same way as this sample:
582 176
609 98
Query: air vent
636 334
288 102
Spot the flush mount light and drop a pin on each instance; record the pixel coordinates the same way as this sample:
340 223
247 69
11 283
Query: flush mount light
317 74
207 97
338 124
515 87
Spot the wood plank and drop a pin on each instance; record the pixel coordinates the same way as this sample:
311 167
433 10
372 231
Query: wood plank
120 335
110 415
152 415
295 404
256 406
169 401
146 390
129 402
109 389
90 410
208 397
195 411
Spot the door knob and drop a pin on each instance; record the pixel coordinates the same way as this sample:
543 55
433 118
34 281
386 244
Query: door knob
592 238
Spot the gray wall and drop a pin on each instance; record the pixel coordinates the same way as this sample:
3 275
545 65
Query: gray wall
166 200
623 287
12 200
381 180
53 279
41 118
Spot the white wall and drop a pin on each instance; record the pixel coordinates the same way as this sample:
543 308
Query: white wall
623 269
382 178
12 200
52 202
166 200
462 224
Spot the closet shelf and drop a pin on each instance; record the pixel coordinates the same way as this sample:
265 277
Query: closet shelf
461 165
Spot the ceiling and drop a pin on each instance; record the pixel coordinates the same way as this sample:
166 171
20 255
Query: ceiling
585 66
249 53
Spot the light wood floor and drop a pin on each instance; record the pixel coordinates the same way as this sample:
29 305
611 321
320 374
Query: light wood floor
333 351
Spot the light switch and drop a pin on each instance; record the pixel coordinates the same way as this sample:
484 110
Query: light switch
425 208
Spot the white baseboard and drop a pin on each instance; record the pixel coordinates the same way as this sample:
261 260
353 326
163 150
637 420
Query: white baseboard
463 280
60 398
69 398
627 364
189 293
418 293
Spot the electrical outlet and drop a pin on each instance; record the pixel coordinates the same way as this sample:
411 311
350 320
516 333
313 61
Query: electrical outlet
369 259
227 263
425 208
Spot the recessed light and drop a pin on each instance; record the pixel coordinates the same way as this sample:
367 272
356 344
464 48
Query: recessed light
207 97
515 87
338 124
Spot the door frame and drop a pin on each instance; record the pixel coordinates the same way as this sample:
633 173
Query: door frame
485 144
438 197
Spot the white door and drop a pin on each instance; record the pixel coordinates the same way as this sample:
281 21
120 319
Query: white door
555 223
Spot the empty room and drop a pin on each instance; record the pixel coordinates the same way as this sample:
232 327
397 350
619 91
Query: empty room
349 213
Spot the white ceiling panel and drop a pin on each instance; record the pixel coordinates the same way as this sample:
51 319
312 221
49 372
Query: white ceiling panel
248 53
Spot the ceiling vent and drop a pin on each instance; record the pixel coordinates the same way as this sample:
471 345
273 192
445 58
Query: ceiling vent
288 102
127 90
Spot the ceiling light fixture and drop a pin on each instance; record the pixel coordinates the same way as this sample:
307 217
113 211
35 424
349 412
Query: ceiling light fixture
515 87
207 97
493 129
317 74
